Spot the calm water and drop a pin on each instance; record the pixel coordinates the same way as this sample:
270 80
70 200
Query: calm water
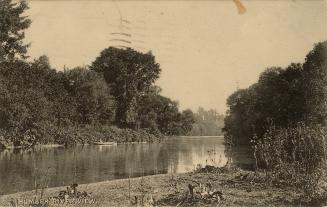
86 164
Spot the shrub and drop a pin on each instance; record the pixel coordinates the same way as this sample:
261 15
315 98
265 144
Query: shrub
295 156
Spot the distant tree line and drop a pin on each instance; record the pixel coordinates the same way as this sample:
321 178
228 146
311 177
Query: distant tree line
39 104
207 123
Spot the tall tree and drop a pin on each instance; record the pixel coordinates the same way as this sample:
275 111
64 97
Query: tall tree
129 74
12 26
90 96
315 84
282 97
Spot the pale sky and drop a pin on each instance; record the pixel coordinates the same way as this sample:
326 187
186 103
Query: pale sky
204 47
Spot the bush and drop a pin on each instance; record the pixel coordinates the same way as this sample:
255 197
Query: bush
89 134
296 157
302 147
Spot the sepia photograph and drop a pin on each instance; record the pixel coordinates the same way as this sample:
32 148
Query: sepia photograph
150 103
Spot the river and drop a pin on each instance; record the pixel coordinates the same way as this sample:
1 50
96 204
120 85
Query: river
21 170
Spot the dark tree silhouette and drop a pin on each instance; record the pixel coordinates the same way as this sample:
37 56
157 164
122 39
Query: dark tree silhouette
12 26
129 74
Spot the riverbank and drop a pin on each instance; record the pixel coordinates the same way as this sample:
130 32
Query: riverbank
70 136
235 188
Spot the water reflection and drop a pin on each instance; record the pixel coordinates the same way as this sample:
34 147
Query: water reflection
241 156
19 170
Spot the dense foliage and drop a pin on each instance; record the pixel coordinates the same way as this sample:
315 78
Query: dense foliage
129 74
283 97
295 156
36 101
301 146
159 113
39 104
283 117
12 26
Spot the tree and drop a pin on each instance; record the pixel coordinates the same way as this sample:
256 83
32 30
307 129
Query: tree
241 116
315 84
159 113
12 26
90 96
207 123
281 97
23 104
275 99
187 119
129 74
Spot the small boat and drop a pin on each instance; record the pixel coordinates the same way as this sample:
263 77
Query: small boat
105 143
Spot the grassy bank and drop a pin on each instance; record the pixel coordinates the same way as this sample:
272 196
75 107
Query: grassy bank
235 187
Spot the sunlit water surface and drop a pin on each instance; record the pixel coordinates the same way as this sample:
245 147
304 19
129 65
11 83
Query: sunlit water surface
20 170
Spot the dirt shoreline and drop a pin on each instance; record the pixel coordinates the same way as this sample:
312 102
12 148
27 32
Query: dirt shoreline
172 190
97 189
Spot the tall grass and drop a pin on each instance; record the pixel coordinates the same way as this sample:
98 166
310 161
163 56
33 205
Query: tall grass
295 156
